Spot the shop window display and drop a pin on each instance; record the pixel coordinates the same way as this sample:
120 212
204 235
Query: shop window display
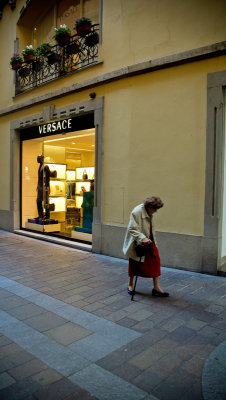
66 171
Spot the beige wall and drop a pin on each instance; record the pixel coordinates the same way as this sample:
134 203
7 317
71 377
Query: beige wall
149 29
133 31
154 143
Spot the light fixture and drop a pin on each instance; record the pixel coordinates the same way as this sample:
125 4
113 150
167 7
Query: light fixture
92 95
69 138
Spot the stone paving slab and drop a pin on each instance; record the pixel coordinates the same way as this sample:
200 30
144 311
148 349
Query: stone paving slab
105 385
213 381
63 287
45 321
68 333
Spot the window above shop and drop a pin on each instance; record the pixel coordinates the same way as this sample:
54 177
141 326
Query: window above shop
3 3
37 27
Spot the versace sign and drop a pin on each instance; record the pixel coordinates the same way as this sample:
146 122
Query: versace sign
59 127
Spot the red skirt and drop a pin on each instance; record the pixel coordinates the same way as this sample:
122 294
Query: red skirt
150 268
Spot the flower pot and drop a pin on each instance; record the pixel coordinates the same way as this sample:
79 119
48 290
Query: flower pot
28 58
46 51
53 58
92 39
23 72
63 40
72 49
37 65
16 65
84 29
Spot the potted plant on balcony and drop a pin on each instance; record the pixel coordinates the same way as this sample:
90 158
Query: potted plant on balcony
28 53
16 61
52 58
83 26
43 50
92 39
72 48
24 72
62 35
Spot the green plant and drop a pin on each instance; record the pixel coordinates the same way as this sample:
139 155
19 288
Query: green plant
15 57
43 50
61 31
82 21
28 50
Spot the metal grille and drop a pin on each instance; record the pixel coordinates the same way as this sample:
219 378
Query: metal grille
79 53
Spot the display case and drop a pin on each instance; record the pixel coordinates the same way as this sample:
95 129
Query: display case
60 170
84 197
70 175
72 211
84 177
58 193
66 193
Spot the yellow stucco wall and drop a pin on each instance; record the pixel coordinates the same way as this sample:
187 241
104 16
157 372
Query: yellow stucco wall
154 143
133 31
4 164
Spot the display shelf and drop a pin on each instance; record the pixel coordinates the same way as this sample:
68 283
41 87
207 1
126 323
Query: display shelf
60 169
70 175
57 179
57 195
84 180
89 171
60 203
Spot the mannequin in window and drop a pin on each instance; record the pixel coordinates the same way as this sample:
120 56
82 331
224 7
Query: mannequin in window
44 175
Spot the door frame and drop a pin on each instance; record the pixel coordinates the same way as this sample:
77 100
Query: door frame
50 113
212 238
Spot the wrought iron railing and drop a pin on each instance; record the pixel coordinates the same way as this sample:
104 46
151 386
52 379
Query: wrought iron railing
60 61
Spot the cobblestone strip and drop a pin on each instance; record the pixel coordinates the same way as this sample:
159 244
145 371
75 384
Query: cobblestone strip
80 355
53 354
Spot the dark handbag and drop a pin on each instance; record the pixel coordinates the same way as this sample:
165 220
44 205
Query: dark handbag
144 250
52 207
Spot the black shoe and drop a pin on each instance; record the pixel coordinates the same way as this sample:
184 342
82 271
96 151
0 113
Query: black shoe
159 294
131 292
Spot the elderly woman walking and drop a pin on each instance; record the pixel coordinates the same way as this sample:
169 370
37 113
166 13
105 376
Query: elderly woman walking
141 231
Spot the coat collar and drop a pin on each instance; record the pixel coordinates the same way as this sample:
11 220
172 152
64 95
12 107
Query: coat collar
144 213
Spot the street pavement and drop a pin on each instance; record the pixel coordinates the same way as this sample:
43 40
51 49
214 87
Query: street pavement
69 330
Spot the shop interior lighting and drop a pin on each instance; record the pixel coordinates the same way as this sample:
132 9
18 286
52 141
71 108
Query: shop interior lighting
79 148
68 138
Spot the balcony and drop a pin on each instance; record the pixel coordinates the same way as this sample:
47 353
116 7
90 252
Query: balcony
78 54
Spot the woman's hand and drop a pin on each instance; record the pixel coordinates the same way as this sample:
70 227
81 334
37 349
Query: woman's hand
146 241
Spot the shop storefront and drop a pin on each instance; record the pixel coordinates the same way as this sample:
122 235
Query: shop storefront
57 178
54 174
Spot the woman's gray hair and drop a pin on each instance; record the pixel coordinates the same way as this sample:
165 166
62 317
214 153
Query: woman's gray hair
153 202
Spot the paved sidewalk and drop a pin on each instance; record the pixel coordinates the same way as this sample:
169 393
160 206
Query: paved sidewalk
68 329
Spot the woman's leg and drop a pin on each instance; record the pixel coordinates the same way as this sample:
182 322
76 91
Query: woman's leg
130 274
130 284
157 284
157 291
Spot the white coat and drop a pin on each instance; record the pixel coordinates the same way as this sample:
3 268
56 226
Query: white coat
137 230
